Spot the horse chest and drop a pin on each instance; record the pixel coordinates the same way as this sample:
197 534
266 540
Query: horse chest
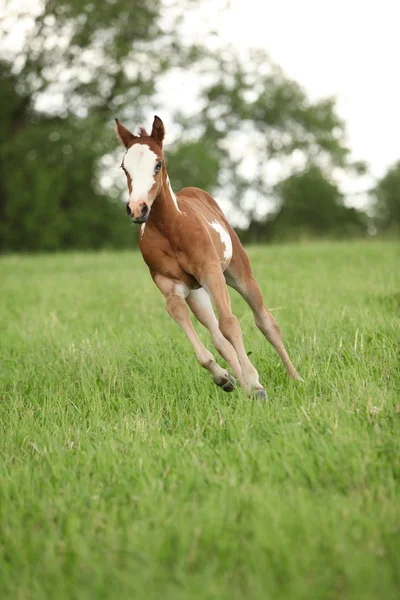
160 257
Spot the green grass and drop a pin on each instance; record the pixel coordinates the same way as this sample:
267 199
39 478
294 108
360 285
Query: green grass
126 473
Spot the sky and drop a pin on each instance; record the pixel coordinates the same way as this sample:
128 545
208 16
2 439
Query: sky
349 49
346 48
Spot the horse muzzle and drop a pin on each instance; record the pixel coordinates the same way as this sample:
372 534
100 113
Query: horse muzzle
138 213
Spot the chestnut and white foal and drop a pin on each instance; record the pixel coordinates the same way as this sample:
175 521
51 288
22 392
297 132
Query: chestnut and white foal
192 253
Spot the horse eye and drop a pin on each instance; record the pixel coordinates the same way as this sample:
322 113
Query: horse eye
158 166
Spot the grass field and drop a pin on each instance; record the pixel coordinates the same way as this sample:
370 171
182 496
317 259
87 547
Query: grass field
126 473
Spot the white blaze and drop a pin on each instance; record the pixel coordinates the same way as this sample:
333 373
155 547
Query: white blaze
142 230
140 163
225 239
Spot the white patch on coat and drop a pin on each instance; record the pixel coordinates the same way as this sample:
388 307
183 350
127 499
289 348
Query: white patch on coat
142 228
140 163
182 290
173 195
203 301
225 239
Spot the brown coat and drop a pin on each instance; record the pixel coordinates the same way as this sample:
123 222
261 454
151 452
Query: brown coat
192 252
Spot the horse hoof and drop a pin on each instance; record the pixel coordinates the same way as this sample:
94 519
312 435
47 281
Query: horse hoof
229 385
259 395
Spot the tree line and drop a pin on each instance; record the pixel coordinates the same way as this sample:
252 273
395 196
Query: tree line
80 67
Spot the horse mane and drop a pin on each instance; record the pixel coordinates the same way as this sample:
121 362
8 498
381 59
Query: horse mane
142 132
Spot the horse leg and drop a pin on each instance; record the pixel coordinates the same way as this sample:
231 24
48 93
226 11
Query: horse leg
241 279
200 304
212 279
175 295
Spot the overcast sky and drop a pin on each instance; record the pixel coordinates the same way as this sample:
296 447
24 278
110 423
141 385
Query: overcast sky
349 48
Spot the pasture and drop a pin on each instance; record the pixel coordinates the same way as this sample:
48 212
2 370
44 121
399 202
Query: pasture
126 473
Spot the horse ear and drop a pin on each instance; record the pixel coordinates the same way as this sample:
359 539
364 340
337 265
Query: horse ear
123 134
158 131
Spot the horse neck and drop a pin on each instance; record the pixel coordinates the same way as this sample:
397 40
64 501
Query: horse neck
165 208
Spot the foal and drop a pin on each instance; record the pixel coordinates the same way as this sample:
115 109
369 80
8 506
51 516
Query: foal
192 253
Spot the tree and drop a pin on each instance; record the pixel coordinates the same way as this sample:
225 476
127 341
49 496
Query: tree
309 206
87 57
98 58
253 115
387 200
48 196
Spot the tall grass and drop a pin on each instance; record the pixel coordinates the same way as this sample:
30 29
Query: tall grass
126 473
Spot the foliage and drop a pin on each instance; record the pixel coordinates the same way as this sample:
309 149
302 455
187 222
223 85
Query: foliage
126 473
79 53
387 200
312 206
253 113
80 64
309 206
82 51
48 198
193 163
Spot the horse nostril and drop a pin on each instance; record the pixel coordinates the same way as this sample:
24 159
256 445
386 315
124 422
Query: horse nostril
144 210
128 210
